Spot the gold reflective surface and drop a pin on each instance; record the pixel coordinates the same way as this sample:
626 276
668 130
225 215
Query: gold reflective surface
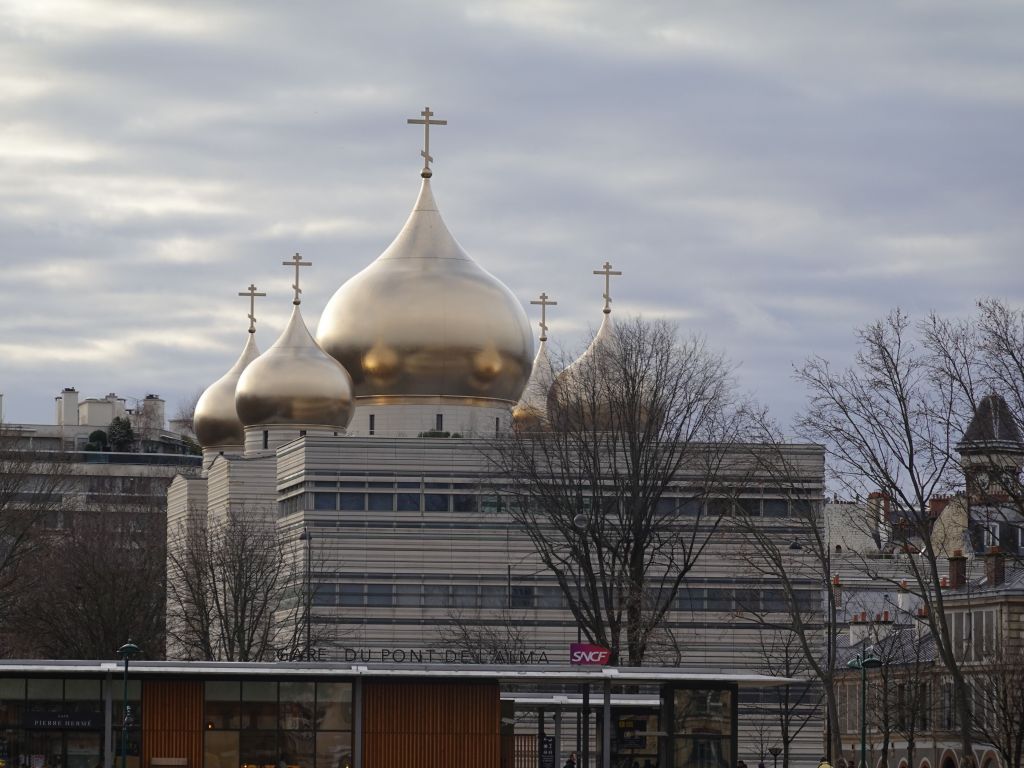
295 382
216 422
532 409
426 320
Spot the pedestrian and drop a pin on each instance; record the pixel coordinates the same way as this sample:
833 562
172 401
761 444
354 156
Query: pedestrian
823 763
741 764
570 762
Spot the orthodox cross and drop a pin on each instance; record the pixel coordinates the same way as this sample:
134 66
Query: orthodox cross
607 271
296 261
426 122
544 304
251 293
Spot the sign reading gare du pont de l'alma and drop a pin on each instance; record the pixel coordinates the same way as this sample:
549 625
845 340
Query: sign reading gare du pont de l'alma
579 653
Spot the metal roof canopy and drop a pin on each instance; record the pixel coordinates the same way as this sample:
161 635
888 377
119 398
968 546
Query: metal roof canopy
509 673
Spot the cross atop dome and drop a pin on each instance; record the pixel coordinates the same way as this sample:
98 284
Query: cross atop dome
426 122
252 294
608 273
296 261
542 300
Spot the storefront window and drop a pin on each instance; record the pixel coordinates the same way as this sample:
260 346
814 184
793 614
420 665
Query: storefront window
703 728
223 705
259 705
297 707
260 724
333 707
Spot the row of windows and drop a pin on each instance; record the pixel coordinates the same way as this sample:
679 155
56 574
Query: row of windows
376 501
528 597
287 706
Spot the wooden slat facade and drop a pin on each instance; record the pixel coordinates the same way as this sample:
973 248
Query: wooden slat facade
172 721
431 724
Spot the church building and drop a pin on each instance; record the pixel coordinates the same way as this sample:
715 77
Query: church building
364 446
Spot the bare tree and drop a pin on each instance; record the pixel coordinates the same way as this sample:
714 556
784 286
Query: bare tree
184 414
237 591
800 565
32 485
94 582
642 416
997 685
792 705
888 424
982 358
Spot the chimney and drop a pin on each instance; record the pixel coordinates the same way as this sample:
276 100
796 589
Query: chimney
837 590
995 567
957 569
878 510
67 408
936 504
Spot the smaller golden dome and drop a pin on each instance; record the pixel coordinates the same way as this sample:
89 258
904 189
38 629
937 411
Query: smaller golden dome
531 412
216 422
578 395
295 382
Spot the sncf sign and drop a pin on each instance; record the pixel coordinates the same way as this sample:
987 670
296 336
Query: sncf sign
585 653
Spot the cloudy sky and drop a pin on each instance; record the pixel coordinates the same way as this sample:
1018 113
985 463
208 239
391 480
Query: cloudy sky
771 175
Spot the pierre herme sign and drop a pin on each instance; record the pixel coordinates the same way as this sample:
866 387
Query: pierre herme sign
61 721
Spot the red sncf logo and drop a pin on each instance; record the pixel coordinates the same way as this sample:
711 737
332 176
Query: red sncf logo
585 653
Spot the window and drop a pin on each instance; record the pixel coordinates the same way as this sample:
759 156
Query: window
691 599
435 595
259 710
691 507
549 597
407 595
325 501
223 705
325 594
522 597
380 595
720 600
435 502
372 423
351 594
408 502
439 422
353 502
750 507
266 438
775 508
493 597
463 503
464 596
381 502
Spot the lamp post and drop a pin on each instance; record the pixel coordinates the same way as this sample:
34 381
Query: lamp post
863 663
581 522
776 751
126 651
307 537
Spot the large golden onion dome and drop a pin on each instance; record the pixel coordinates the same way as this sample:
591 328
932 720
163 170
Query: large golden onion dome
425 320
295 383
216 421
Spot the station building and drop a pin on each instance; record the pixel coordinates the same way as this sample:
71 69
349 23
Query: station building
58 714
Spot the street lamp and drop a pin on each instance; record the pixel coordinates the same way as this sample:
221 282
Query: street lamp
863 663
126 651
307 537
776 751
581 522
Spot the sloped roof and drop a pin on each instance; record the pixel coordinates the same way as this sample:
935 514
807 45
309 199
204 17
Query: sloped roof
993 428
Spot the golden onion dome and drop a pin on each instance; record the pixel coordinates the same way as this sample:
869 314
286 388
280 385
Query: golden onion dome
216 422
295 383
531 412
578 395
425 320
